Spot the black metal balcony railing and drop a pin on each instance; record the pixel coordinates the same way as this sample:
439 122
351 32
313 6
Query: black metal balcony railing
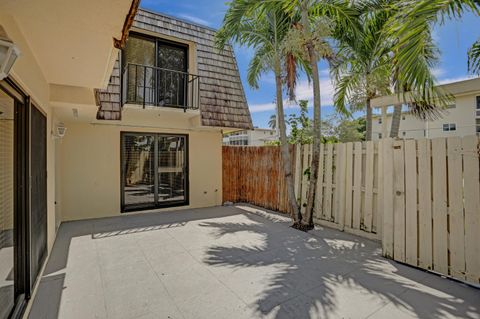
154 86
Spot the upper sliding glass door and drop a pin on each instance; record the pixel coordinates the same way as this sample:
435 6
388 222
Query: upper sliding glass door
7 229
155 72
139 59
172 74
154 170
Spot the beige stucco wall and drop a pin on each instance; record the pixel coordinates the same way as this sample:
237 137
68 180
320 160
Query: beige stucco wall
90 168
463 116
28 74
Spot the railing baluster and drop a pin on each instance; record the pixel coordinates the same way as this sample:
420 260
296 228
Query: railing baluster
144 83
136 84
179 89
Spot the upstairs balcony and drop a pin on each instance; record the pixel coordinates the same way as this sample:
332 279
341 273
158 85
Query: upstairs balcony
159 87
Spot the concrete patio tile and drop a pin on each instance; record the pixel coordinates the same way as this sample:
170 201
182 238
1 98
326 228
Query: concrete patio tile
344 298
436 297
133 274
133 300
175 265
225 262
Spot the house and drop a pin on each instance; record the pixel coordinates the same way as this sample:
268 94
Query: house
255 137
460 118
108 109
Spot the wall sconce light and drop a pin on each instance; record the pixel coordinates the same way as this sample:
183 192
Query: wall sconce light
59 131
9 53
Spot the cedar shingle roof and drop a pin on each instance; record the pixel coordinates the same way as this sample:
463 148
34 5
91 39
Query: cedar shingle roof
222 99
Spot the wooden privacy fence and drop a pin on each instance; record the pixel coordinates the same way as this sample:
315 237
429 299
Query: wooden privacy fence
431 205
421 198
255 175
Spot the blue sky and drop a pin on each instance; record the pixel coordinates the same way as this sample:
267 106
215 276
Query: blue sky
453 39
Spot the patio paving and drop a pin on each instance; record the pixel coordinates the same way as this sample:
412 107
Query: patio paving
228 262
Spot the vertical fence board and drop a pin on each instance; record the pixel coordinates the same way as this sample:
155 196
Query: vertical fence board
357 186
399 201
380 190
439 206
298 171
335 191
388 230
411 222
472 203
425 253
455 207
319 191
327 200
348 184
304 177
369 176
340 185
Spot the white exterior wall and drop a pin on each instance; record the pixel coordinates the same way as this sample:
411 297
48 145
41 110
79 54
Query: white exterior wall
256 137
463 116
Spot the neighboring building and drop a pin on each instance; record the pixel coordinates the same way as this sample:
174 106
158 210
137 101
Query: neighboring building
255 137
143 127
461 118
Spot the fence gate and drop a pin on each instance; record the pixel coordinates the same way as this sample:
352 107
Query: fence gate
431 204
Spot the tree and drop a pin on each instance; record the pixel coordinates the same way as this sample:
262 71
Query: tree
309 40
272 122
474 58
341 129
301 126
411 27
363 68
264 31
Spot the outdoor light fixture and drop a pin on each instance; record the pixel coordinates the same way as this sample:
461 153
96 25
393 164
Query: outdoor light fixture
59 131
9 52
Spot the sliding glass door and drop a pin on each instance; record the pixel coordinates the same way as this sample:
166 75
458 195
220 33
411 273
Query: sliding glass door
154 170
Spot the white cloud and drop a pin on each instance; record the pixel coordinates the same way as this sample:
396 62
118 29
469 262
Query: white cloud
438 72
195 19
304 91
254 108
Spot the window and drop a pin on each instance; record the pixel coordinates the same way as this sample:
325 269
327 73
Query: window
404 133
478 125
403 117
380 120
449 127
154 170
451 106
379 135
478 107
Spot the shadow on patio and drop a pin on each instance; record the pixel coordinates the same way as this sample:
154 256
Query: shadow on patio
229 262
337 275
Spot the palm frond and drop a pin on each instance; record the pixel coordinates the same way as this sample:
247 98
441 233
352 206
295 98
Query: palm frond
474 58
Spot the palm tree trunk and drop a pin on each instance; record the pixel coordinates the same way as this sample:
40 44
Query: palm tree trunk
287 163
397 114
316 123
368 136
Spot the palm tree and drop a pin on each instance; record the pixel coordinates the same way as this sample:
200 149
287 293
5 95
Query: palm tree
411 26
264 31
272 122
474 58
363 68
309 40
